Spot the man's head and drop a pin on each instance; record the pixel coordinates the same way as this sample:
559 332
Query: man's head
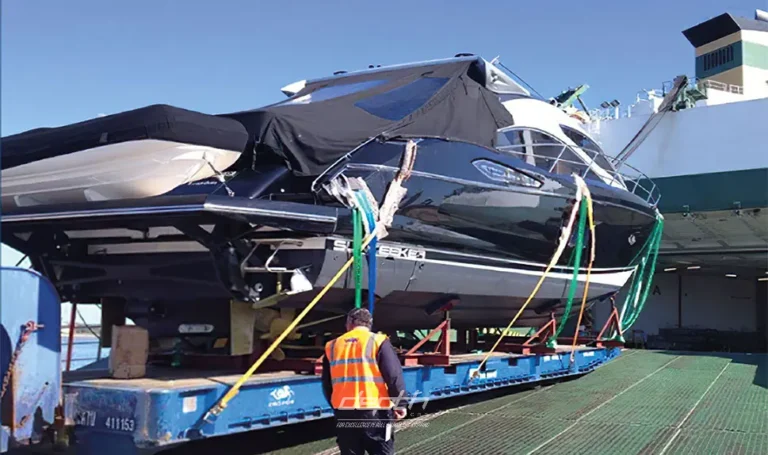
359 317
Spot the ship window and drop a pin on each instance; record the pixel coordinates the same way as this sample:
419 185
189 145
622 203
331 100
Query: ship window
397 103
334 91
718 57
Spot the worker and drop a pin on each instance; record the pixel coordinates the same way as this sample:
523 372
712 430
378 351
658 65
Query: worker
363 381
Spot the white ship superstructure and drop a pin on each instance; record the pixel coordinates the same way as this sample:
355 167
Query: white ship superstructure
710 162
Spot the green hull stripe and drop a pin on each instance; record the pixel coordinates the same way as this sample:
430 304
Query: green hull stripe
718 60
732 56
714 191
755 55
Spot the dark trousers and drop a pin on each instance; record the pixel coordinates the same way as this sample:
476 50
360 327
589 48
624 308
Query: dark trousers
358 432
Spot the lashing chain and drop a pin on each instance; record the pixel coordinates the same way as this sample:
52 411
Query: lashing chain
26 331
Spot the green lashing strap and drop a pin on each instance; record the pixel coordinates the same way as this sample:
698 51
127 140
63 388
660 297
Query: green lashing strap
357 254
641 282
552 342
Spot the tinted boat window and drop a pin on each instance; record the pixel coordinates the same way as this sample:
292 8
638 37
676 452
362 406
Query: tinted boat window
546 150
379 153
334 91
397 103
554 156
569 163
588 146
509 138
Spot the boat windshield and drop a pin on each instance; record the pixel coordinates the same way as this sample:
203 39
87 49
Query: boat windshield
589 147
545 151
542 150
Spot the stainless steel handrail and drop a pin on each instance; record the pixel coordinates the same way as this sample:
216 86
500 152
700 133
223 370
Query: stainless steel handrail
635 182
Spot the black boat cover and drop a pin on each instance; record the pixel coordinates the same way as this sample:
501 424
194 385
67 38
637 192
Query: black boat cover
330 117
158 121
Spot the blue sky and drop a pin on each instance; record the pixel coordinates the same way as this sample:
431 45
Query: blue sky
64 62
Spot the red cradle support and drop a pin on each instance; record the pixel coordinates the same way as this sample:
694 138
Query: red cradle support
442 354
297 364
613 323
536 343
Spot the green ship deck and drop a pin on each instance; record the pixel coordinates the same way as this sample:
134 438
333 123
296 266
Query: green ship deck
644 402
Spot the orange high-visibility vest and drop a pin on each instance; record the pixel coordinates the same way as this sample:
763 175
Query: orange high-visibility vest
355 375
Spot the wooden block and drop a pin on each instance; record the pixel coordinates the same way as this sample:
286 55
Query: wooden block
112 314
242 320
129 352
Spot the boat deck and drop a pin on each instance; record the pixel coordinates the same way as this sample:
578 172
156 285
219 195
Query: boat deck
644 402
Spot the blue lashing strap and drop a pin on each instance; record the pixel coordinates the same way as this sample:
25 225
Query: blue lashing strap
371 253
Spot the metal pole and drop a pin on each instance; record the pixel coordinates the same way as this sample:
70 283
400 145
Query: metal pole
71 334
357 230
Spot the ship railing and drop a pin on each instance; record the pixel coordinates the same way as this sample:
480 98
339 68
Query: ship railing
721 86
561 159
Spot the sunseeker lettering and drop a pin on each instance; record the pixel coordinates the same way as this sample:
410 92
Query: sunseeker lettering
387 251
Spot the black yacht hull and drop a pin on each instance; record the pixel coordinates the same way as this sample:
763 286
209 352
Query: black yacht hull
477 225
414 283
455 237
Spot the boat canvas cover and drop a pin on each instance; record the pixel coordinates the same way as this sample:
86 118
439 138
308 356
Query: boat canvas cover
160 122
330 117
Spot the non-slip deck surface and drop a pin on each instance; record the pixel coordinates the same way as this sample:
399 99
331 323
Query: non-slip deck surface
644 402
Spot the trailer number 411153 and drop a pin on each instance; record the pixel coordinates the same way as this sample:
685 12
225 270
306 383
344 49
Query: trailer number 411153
120 423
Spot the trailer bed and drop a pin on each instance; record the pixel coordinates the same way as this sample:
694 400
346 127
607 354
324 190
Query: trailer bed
182 378
167 378
166 407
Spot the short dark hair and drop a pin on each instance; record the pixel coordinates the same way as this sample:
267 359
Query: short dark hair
360 317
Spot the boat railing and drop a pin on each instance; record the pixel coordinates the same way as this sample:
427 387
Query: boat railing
561 159
637 182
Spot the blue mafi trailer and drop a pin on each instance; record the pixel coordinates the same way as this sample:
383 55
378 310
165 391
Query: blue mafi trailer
168 406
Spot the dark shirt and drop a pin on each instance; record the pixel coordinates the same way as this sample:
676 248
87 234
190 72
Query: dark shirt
391 371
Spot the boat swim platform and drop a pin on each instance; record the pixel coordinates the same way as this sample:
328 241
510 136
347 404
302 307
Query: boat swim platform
642 402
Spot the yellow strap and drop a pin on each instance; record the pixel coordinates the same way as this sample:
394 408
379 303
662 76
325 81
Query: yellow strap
216 409
593 241
566 235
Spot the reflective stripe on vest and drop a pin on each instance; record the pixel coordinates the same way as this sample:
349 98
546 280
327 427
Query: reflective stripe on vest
355 375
